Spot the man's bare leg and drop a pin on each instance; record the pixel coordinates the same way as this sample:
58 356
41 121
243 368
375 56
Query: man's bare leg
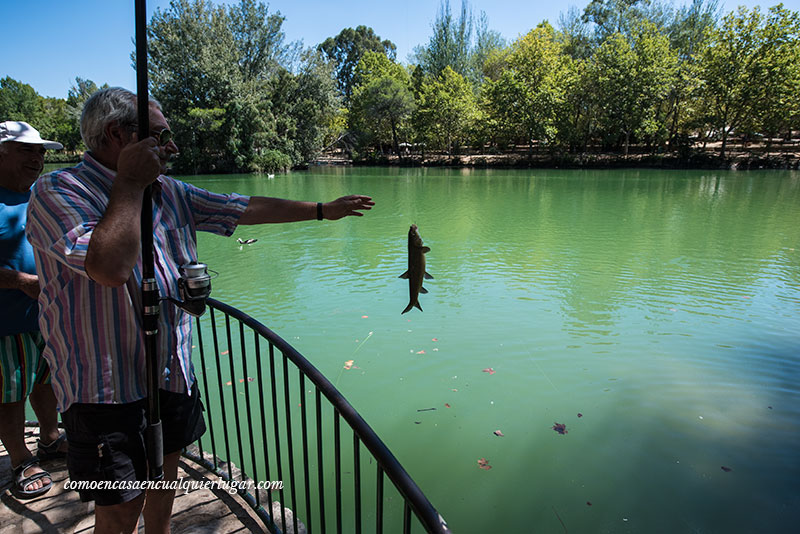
118 518
43 402
12 434
158 507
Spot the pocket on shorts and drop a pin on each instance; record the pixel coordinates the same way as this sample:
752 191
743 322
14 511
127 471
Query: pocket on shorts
84 461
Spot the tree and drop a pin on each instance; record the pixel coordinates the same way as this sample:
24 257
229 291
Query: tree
529 96
259 40
631 83
488 45
382 99
729 67
777 73
346 50
225 76
19 101
574 34
51 116
687 34
450 44
445 110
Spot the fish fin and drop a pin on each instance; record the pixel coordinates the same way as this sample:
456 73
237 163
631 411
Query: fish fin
404 275
410 305
423 290
418 306
428 276
426 249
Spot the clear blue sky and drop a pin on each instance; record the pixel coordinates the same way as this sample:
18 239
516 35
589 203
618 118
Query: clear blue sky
47 43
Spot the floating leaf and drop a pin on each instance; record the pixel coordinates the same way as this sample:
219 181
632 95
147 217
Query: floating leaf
224 353
489 370
434 339
561 428
588 503
726 469
229 383
483 463
580 414
365 316
421 352
498 433
348 364
426 409
446 405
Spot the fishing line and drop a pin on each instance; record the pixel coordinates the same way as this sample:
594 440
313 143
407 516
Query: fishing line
545 375
335 384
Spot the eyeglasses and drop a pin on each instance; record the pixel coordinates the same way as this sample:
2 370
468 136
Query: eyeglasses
163 136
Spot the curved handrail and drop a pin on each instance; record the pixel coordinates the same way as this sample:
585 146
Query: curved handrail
424 510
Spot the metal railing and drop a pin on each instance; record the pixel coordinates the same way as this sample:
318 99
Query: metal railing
278 422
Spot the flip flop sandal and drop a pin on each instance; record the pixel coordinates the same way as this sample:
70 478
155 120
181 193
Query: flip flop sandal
21 481
51 451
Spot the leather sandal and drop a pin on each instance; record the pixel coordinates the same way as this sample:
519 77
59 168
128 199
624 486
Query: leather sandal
21 481
52 451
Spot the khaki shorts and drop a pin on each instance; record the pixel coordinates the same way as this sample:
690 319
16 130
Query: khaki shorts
21 366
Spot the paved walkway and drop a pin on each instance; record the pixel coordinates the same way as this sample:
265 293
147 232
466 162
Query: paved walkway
61 511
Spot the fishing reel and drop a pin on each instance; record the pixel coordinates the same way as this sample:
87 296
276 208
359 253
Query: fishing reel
194 287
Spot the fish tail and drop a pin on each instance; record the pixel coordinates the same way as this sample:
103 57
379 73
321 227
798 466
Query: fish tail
408 308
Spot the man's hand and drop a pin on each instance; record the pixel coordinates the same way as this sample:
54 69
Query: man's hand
139 163
346 206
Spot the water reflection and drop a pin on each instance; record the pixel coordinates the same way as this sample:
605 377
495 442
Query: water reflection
642 299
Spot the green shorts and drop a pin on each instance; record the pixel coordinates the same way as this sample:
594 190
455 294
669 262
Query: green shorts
21 366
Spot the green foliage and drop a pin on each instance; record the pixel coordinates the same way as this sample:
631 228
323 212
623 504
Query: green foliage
631 81
446 111
730 72
382 101
451 42
19 101
346 50
55 118
225 76
617 74
529 96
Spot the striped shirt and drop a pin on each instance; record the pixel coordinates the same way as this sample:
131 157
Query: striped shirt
94 337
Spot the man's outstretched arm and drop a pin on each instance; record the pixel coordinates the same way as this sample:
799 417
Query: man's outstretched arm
263 210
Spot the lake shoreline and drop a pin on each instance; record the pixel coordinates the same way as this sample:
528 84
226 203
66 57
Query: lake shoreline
698 161
705 160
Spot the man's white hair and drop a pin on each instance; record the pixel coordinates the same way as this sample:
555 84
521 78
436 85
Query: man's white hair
105 106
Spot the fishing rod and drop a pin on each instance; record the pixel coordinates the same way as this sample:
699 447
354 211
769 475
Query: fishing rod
154 439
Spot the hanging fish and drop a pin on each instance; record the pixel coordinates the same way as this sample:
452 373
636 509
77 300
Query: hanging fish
416 268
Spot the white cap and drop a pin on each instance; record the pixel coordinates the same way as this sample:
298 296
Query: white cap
22 132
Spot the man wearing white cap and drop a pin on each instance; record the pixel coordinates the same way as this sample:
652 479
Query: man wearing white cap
23 371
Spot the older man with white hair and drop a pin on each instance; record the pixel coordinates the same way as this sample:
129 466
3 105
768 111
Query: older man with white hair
23 371
86 233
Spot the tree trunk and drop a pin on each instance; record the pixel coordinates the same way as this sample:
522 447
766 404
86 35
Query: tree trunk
394 140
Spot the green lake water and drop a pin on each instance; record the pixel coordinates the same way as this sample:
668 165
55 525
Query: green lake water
654 313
